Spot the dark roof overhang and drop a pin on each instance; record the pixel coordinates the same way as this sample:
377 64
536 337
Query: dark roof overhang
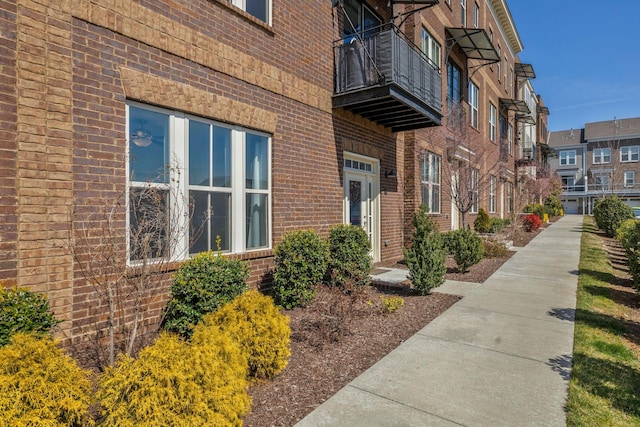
524 70
516 105
474 43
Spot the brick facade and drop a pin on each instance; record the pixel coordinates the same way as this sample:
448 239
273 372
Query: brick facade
70 67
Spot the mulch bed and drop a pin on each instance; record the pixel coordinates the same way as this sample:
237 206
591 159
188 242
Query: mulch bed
338 337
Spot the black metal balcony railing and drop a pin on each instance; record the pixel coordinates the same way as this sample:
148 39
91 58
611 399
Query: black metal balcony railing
386 79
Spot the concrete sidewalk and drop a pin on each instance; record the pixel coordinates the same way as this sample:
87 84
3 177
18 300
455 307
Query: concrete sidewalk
499 357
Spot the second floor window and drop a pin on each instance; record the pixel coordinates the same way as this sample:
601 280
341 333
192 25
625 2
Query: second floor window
629 154
568 183
359 18
430 182
476 15
431 48
567 157
260 9
601 155
493 184
629 178
463 13
454 83
473 104
602 182
492 122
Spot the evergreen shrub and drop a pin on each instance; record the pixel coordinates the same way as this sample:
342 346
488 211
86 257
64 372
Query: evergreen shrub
609 212
259 328
175 383
24 311
482 223
201 285
553 205
629 236
426 256
493 248
42 386
498 224
535 208
466 247
300 264
349 260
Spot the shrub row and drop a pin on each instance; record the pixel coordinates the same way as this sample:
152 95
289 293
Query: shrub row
609 212
172 382
303 259
484 224
628 234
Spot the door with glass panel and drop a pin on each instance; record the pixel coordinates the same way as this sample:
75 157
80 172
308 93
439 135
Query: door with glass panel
361 200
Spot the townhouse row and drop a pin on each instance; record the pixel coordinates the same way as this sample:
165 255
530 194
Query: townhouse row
237 121
600 159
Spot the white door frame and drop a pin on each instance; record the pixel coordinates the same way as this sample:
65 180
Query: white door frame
369 178
455 213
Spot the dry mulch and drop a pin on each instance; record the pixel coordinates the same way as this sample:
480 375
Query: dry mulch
339 337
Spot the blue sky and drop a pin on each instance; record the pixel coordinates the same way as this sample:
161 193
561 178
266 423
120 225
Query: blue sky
586 55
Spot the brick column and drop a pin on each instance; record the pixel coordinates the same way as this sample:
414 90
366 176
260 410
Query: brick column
45 148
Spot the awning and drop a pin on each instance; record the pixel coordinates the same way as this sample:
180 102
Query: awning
543 110
474 42
517 105
524 70
525 118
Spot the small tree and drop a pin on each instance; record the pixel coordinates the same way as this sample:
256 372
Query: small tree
349 259
426 257
466 247
482 224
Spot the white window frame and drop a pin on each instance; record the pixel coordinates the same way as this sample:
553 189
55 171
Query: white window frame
629 178
509 197
601 156
505 67
179 161
242 4
499 63
473 104
431 48
493 113
430 183
463 12
493 184
476 15
510 137
602 182
567 157
630 153
568 183
474 190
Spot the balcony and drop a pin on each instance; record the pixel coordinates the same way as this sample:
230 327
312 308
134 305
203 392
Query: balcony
383 77
528 156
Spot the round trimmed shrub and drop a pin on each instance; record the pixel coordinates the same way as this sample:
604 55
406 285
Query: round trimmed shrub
40 385
300 264
482 223
174 383
349 260
426 257
498 224
201 285
466 247
24 311
609 212
535 208
256 324
531 222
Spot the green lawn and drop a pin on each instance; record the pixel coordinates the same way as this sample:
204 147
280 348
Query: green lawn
605 382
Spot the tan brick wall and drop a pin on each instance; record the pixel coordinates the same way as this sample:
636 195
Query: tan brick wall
44 143
8 129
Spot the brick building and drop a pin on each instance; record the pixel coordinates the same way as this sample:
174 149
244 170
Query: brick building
232 109
602 158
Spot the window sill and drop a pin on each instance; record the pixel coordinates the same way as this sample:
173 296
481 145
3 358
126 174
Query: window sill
248 17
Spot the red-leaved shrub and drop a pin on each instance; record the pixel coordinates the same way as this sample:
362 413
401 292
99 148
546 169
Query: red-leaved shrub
531 223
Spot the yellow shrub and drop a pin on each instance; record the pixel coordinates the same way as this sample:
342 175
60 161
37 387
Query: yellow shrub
392 303
545 218
178 384
40 385
261 330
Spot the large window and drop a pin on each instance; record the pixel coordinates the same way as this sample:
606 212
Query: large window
492 121
431 48
216 175
493 184
473 104
454 84
476 15
430 180
602 182
601 155
568 184
629 154
567 157
473 190
261 9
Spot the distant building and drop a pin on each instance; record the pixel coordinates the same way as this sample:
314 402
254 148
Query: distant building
598 160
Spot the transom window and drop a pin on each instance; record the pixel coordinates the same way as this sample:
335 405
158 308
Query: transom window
430 182
214 178
567 157
630 153
601 155
260 9
431 48
357 165
473 104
